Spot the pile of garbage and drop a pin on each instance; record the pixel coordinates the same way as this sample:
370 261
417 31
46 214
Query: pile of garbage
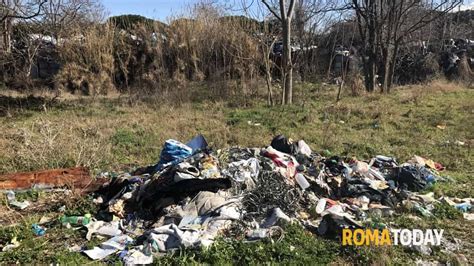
194 194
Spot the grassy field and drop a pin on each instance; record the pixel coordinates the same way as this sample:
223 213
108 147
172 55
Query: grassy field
116 133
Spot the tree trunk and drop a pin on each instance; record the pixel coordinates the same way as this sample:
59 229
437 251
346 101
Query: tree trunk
372 68
366 18
370 75
268 76
340 90
287 66
269 86
392 66
387 59
289 86
7 25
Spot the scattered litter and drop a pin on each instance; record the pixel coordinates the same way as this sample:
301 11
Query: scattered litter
138 256
38 230
102 228
459 143
14 243
99 253
464 207
193 194
17 204
250 123
302 182
468 216
75 248
75 220
109 247
244 170
45 219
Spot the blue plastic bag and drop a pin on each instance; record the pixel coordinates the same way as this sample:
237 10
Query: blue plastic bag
173 152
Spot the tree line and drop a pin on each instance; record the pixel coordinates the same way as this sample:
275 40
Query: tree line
70 45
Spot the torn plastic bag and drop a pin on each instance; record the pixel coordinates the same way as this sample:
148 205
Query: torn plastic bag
383 162
103 228
261 233
334 165
14 202
303 148
170 237
287 164
109 247
243 170
157 195
14 243
119 186
203 203
117 242
138 256
99 253
412 177
357 188
173 152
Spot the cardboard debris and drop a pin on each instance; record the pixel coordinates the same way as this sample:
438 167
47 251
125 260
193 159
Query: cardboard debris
74 178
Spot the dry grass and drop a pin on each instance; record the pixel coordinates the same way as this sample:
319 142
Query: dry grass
113 134
108 133
88 63
86 135
413 93
161 60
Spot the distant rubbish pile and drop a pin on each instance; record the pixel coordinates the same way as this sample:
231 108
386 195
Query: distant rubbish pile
193 194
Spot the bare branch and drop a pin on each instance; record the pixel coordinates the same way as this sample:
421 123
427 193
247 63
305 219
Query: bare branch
282 10
291 9
422 22
271 9
37 13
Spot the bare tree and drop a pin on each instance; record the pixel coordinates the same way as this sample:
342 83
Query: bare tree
311 16
404 18
284 13
11 9
384 25
60 16
16 9
266 47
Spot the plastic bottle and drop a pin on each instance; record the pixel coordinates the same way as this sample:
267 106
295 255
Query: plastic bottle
423 211
76 220
431 179
326 153
301 180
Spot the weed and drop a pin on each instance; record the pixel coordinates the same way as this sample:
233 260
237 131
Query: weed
446 211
